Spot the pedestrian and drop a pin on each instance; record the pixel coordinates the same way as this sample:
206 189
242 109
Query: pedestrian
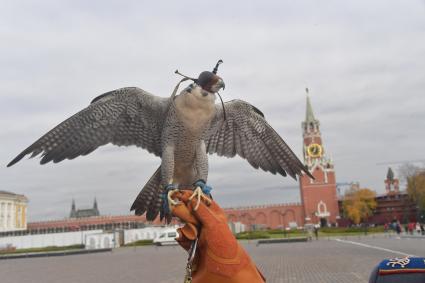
398 228
418 228
422 229
410 227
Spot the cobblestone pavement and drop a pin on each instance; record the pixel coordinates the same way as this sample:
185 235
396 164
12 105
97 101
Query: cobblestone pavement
327 260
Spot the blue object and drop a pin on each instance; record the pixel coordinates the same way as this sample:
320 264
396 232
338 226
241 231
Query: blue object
402 265
204 187
399 270
164 196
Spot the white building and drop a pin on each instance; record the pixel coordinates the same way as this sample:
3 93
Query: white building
92 239
236 227
13 212
47 240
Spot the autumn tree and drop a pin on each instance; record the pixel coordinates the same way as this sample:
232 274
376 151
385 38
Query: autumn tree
407 170
359 204
416 189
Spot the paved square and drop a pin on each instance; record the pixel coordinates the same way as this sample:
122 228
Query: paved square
327 260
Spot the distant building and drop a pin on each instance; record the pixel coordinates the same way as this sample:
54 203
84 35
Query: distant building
391 184
84 220
394 204
318 196
13 212
81 213
319 202
106 223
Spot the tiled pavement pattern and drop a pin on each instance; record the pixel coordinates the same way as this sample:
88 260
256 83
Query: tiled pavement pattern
318 261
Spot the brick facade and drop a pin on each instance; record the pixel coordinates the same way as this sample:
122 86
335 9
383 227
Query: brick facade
276 216
319 198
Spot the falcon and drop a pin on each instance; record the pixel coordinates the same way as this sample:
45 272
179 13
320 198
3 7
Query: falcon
181 129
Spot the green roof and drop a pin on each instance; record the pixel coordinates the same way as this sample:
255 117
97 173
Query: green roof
309 116
390 174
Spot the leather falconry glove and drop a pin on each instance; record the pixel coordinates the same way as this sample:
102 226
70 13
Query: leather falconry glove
219 256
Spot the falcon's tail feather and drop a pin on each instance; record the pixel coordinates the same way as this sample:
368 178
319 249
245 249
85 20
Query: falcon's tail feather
149 199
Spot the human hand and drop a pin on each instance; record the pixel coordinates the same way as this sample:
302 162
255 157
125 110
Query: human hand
219 258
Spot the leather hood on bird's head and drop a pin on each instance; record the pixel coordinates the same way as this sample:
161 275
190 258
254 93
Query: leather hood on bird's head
206 79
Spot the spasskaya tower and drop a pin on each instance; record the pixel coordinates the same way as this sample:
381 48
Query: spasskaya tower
318 197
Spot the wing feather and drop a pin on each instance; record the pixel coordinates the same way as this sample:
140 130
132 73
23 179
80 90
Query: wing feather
126 116
246 133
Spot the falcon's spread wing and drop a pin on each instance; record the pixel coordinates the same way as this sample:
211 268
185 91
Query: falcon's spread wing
246 133
126 116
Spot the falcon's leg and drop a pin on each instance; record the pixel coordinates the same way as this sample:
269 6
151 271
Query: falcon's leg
167 165
167 171
201 167
201 191
201 162
167 201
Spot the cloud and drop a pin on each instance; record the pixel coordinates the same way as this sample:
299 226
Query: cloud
362 61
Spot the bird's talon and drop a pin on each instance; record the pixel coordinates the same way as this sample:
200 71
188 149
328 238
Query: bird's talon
199 194
171 202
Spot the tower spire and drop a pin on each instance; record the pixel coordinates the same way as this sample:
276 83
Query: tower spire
391 183
95 208
309 116
390 174
72 214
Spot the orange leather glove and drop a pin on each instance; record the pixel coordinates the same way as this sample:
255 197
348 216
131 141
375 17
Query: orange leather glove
219 257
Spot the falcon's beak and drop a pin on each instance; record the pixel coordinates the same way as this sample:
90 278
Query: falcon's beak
222 84
218 85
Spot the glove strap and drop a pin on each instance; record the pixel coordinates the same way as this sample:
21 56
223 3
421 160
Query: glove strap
192 252
188 276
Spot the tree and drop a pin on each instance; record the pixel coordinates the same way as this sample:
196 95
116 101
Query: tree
414 176
407 170
416 190
359 204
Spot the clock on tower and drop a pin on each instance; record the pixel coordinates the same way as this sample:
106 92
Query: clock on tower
314 150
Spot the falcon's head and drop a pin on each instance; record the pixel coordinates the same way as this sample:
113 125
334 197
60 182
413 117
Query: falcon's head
207 84
208 81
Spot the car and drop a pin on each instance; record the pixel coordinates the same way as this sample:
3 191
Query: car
166 237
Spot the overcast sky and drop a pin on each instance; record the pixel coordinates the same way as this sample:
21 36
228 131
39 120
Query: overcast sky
363 61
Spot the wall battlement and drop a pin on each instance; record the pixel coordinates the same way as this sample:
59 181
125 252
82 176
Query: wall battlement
252 207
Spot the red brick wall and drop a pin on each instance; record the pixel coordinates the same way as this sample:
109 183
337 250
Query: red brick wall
312 192
268 216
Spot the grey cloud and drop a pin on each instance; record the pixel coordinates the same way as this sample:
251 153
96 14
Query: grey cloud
362 61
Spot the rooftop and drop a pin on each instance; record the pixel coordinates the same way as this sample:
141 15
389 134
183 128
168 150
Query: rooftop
10 194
